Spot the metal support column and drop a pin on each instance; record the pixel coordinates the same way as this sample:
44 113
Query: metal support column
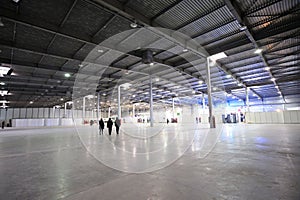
98 105
208 83
173 107
203 103
83 108
133 110
119 102
151 103
109 112
247 99
53 112
65 111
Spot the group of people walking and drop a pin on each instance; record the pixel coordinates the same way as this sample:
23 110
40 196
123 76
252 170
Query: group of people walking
109 125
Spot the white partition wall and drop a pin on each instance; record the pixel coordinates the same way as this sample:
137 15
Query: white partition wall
282 117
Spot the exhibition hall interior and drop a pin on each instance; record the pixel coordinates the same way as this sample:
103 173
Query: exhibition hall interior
149 99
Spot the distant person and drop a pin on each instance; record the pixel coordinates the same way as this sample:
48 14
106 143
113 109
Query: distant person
91 122
117 125
197 120
3 124
109 125
101 126
167 121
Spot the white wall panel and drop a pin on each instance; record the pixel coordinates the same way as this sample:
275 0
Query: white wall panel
268 117
35 113
23 113
16 113
294 116
9 114
2 114
47 112
41 113
29 113
52 122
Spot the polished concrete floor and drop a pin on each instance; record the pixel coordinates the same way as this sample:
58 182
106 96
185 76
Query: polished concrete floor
236 161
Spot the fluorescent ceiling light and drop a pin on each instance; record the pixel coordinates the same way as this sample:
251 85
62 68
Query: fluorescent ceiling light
257 51
228 76
133 25
240 84
185 50
157 79
126 85
200 82
31 102
243 28
217 56
67 75
273 79
4 70
3 92
2 83
100 50
62 99
89 96
267 68
1 23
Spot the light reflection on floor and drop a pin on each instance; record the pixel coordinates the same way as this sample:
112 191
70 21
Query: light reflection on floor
140 148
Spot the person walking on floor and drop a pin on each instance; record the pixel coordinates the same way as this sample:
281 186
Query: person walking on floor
117 124
101 126
109 125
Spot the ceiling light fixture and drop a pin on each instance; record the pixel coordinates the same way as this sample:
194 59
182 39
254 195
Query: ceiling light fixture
157 79
1 23
4 70
243 28
31 102
228 76
3 92
2 83
152 63
16 1
62 99
240 84
133 24
267 68
273 79
67 75
200 82
217 56
257 51
100 51
185 50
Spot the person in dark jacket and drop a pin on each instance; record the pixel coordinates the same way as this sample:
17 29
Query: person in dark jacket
109 125
101 126
117 125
